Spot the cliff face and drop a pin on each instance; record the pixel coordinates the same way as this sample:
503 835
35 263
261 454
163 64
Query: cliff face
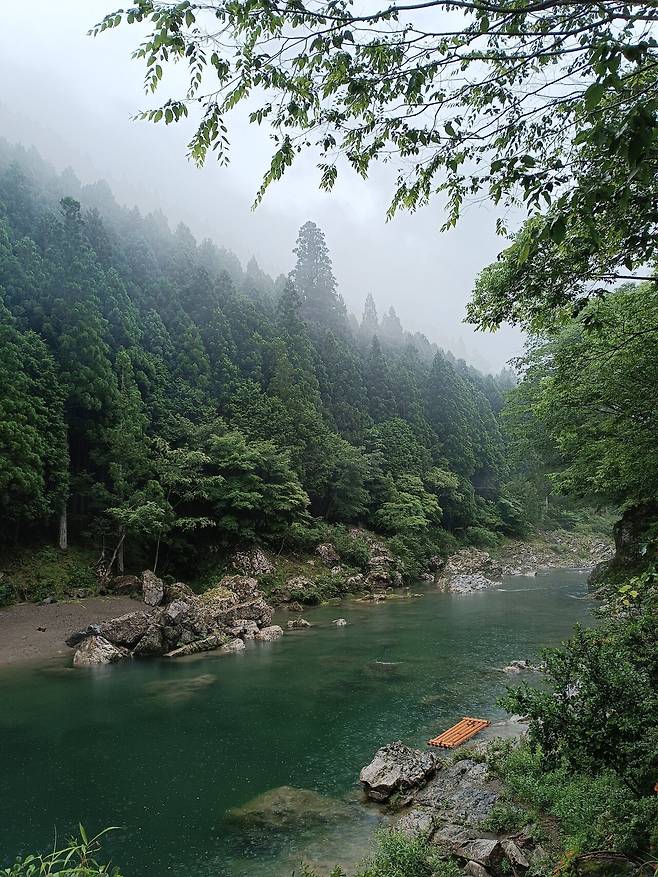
636 545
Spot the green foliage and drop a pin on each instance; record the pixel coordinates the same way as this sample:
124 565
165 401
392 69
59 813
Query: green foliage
506 816
593 811
163 404
599 709
397 855
76 859
465 111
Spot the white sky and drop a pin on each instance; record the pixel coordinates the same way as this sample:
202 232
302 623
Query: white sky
72 97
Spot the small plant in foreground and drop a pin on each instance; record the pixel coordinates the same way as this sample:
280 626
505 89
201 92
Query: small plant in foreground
76 859
506 816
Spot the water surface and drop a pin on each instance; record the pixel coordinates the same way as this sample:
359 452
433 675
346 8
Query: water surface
168 748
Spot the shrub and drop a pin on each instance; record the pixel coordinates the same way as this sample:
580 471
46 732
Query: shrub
76 859
506 816
353 550
593 812
481 537
398 855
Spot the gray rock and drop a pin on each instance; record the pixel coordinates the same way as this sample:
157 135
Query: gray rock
207 644
474 869
267 634
126 630
234 645
327 554
253 562
450 834
152 588
244 628
152 643
461 793
467 584
298 624
339 622
485 851
96 650
178 591
416 822
176 611
516 857
79 635
394 768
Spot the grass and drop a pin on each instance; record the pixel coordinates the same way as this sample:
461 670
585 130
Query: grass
590 812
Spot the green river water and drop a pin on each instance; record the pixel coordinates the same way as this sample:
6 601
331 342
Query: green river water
166 749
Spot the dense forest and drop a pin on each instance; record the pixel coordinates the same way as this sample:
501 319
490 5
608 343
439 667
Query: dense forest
160 401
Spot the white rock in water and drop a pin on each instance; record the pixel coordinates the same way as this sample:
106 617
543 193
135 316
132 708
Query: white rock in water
267 634
339 622
97 650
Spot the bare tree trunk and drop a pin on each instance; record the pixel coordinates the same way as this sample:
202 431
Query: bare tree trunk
157 554
120 558
63 529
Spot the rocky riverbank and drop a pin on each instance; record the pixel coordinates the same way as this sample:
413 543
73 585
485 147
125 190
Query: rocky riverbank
472 569
461 809
179 623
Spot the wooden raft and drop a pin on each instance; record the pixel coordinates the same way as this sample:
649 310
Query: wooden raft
459 733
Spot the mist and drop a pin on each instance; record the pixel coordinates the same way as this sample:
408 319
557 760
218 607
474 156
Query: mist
72 98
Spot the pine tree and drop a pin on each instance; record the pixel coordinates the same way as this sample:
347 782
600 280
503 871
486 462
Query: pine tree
321 305
381 402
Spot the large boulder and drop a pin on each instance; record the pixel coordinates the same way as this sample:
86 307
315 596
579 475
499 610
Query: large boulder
152 588
126 630
267 634
153 642
487 852
461 793
244 628
244 587
79 635
96 650
467 584
253 562
396 768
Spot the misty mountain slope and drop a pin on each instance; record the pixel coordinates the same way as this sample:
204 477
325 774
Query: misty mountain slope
152 391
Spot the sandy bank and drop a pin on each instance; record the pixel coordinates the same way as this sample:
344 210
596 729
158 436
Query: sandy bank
21 640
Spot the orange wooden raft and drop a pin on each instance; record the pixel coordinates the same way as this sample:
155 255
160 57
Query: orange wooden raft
459 733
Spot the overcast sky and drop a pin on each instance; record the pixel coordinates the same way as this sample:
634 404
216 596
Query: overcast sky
72 97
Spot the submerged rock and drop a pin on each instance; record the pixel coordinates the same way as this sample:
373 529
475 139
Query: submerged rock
395 768
96 650
180 689
287 807
339 622
152 588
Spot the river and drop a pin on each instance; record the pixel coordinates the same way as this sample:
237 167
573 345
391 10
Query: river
165 749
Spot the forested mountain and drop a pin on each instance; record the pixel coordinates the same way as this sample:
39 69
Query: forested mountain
153 393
